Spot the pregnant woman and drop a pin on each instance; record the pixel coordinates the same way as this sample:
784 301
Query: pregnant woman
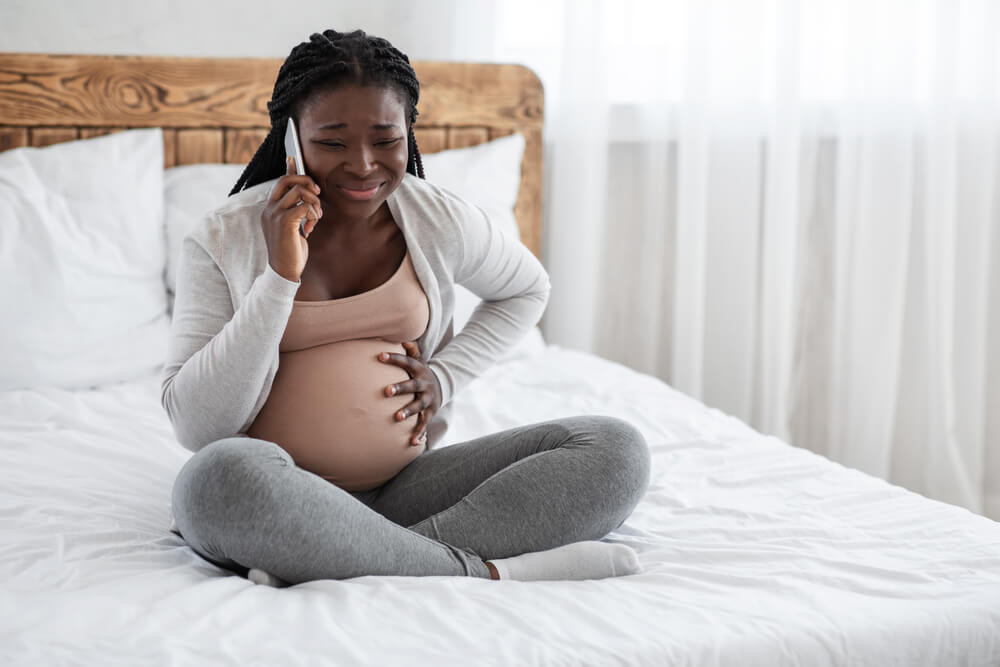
311 368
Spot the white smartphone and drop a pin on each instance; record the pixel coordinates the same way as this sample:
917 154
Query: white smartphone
294 149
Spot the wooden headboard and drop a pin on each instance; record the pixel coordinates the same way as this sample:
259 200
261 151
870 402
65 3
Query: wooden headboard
215 109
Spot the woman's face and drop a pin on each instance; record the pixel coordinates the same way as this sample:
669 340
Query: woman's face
354 144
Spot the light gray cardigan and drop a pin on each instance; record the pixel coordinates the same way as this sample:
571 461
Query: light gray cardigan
231 307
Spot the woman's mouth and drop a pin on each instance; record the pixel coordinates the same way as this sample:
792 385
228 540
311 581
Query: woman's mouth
360 192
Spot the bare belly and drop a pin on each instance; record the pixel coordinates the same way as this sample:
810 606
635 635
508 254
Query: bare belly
327 408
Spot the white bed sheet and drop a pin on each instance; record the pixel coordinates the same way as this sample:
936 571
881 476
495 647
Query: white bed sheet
755 552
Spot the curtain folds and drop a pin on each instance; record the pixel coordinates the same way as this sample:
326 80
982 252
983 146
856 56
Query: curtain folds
789 210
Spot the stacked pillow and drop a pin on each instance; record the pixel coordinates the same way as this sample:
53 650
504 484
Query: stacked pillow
90 237
189 192
82 253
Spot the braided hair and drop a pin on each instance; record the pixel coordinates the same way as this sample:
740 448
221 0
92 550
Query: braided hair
330 59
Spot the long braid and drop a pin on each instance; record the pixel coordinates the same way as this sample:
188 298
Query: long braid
416 163
330 59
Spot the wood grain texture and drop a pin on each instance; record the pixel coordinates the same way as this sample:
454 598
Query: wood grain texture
431 139
40 89
497 132
528 209
242 144
215 109
146 91
197 146
169 147
46 136
470 94
89 132
460 137
13 137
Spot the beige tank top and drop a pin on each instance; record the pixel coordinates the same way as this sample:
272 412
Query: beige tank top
327 407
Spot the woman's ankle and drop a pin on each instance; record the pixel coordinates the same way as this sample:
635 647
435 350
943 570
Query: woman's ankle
493 571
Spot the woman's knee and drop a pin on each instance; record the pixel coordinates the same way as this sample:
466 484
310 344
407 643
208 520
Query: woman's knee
630 451
625 453
209 488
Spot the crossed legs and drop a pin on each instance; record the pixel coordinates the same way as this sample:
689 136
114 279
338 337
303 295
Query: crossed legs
242 503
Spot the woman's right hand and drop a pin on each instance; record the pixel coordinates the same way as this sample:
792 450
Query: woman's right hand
287 249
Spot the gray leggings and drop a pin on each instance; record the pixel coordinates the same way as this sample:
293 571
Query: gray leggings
243 503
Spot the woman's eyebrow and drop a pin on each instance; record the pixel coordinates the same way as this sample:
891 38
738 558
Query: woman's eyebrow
341 126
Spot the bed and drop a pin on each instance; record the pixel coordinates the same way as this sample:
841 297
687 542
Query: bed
755 552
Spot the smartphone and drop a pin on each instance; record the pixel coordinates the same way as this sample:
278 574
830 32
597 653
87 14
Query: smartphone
294 149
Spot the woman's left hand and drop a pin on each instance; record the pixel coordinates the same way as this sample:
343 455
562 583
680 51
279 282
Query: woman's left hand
422 383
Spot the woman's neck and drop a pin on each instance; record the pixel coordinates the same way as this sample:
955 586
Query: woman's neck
336 228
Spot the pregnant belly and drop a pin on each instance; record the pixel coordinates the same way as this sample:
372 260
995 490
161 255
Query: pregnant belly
327 408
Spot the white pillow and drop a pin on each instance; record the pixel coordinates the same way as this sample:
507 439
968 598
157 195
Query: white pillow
190 192
488 175
82 256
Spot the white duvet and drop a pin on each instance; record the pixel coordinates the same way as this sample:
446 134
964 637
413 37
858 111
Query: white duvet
755 552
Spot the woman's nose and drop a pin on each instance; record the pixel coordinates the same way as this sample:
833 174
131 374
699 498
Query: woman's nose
360 162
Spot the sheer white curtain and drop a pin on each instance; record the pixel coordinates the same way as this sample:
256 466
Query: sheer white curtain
790 210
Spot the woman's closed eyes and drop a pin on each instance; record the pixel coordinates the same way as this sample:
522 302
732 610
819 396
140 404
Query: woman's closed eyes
385 143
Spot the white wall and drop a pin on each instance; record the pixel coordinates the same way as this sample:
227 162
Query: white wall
424 30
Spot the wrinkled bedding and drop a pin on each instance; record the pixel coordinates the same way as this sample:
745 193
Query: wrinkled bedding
755 552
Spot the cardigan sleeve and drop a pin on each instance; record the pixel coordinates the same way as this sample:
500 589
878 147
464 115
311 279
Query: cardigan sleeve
218 358
514 288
